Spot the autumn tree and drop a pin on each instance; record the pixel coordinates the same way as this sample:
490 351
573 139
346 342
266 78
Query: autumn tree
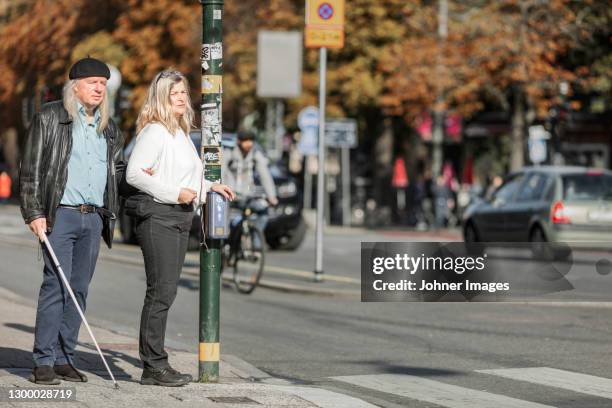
36 51
507 52
36 47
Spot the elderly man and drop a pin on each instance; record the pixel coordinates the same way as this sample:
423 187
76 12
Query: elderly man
72 162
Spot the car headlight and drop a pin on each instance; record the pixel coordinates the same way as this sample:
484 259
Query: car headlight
286 190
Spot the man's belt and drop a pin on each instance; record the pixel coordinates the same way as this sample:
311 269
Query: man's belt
88 208
83 208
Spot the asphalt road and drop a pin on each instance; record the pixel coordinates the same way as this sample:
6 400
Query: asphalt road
390 354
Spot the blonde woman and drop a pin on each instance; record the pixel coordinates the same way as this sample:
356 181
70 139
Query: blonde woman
165 165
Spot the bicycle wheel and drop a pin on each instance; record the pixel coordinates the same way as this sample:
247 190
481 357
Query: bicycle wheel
249 261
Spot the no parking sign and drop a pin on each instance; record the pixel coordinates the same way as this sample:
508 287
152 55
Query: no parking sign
324 24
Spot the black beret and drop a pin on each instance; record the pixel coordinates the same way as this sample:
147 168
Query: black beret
89 67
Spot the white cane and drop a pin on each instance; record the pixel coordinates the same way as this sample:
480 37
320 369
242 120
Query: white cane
76 304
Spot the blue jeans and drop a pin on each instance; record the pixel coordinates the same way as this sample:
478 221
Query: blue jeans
76 242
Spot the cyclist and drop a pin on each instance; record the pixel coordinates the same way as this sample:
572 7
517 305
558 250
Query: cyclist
238 169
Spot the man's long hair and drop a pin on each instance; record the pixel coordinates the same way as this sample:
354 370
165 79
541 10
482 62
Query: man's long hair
157 107
71 105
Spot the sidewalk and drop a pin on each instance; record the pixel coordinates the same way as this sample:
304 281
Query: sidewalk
240 385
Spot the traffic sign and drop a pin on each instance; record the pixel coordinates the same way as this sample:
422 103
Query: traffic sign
324 24
309 142
325 13
322 37
308 117
308 122
341 133
537 144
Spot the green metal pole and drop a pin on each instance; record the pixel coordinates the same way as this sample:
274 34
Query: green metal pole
210 255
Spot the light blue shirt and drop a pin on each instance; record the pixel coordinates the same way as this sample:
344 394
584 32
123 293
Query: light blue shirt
87 166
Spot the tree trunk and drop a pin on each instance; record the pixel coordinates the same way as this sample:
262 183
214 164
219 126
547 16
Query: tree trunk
518 131
383 160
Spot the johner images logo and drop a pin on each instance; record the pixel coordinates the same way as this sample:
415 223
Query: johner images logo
455 271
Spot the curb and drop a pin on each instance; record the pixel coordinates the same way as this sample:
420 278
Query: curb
240 368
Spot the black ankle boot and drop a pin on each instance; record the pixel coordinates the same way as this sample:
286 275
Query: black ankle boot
187 377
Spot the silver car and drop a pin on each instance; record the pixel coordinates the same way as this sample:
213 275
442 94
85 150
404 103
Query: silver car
556 204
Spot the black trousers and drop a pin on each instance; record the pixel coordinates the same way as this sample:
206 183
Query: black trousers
163 235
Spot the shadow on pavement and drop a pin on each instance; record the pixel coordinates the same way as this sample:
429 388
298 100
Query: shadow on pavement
387 368
88 361
20 327
190 284
12 358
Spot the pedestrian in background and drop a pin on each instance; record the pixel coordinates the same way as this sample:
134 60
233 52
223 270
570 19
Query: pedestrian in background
442 201
72 161
5 187
167 168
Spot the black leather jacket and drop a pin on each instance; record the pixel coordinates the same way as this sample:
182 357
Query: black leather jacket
44 167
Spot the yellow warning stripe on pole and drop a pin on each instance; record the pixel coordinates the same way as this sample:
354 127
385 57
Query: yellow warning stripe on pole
209 352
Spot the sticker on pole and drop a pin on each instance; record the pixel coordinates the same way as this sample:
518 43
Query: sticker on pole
216 51
210 117
206 52
212 155
212 84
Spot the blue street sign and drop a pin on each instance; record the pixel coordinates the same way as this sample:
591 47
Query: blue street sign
308 121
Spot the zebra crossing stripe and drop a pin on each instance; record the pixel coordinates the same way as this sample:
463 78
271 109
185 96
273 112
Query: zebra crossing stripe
324 398
435 392
552 377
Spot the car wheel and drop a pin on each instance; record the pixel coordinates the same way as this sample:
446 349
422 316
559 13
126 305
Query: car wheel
292 240
470 235
543 250
296 236
472 240
540 247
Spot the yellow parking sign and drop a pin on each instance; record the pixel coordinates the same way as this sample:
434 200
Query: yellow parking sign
324 24
325 13
322 37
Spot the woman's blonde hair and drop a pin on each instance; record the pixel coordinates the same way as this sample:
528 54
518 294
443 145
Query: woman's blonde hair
71 105
157 106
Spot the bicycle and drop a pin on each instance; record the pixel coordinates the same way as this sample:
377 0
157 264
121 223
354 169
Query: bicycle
240 250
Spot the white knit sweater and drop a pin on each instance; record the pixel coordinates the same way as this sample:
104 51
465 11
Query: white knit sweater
174 161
